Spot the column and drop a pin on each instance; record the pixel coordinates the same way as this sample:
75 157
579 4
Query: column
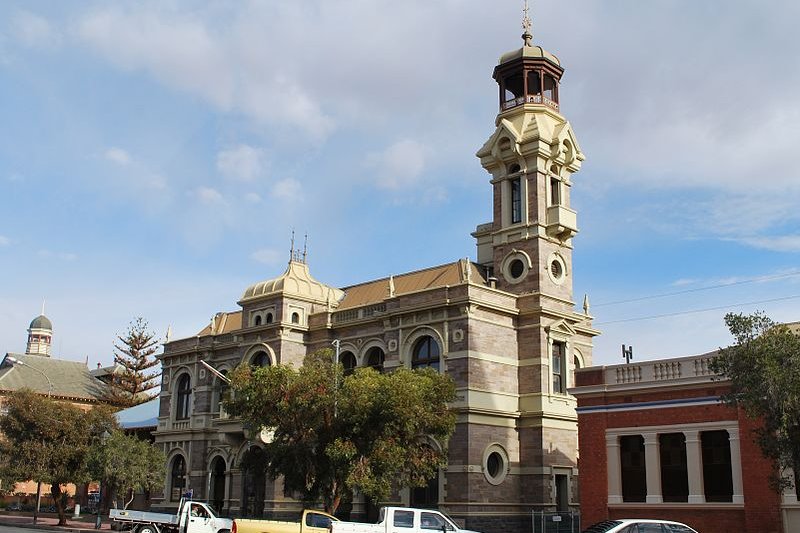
736 465
694 466
652 463
614 469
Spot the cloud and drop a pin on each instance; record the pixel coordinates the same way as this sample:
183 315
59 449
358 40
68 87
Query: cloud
252 198
241 163
268 256
288 189
782 243
399 166
62 256
208 196
118 155
34 31
4 241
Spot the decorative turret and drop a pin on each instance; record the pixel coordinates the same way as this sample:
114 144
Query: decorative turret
40 336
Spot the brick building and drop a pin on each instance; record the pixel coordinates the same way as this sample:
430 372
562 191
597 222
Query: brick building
503 326
655 442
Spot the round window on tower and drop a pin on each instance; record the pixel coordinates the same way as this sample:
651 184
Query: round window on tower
556 268
495 464
516 266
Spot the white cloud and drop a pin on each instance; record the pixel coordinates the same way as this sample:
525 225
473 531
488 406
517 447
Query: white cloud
782 243
252 198
208 196
242 163
4 241
399 166
34 31
268 256
62 256
118 155
288 189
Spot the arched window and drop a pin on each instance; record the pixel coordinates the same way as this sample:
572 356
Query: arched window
217 498
269 318
375 358
184 397
348 362
261 358
257 321
295 318
426 353
177 478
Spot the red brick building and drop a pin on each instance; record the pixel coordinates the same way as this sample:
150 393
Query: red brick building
655 442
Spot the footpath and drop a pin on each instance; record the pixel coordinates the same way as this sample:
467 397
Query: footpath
82 524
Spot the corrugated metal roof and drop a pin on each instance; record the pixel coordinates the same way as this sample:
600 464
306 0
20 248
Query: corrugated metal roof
70 379
429 278
223 323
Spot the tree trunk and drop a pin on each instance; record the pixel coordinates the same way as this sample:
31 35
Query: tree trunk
55 492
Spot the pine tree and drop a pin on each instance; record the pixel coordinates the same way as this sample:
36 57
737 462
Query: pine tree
134 352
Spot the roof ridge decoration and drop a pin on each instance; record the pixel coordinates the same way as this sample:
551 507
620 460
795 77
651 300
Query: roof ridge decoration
527 35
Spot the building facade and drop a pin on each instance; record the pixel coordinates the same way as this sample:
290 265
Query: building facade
503 326
656 442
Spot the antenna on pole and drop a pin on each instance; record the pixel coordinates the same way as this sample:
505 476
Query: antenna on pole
627 354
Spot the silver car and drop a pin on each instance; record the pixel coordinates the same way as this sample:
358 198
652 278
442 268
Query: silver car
639 525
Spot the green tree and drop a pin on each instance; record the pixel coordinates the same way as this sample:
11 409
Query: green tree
48 441
126 464
333 434
763 366
135 352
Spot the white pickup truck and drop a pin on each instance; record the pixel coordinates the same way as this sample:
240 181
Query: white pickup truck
402 520
192 517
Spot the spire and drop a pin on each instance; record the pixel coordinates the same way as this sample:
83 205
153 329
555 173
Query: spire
586 304
527 36
391 286
43 301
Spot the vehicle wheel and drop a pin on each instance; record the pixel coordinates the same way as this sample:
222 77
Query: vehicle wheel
224 531
146 529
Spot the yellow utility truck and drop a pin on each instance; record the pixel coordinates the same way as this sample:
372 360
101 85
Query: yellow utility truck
311 522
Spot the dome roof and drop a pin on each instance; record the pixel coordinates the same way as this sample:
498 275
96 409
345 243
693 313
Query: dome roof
41 322
529 52
296 281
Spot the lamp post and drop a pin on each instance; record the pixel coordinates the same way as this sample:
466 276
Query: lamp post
103 438
15 361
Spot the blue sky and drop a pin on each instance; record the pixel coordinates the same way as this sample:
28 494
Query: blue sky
155 156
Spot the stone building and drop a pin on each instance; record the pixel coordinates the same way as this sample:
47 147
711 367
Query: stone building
503 326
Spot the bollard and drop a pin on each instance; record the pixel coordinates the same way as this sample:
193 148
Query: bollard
77 511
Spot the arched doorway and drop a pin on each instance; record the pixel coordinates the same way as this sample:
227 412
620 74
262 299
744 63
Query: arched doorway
217 498
254 466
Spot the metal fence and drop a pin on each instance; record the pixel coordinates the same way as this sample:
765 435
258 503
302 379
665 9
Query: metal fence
553 522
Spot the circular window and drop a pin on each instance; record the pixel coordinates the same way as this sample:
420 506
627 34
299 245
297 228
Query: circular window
557 268
495 464
516 268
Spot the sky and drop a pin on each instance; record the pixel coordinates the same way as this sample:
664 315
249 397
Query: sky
155 156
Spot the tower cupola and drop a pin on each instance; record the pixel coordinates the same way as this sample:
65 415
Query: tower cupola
40 336
528 75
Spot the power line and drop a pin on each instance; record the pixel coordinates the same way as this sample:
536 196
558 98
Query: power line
678 313
698 289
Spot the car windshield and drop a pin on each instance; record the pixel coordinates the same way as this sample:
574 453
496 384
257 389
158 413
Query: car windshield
602 527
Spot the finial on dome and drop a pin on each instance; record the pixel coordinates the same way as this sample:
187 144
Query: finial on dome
305 248
527 36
